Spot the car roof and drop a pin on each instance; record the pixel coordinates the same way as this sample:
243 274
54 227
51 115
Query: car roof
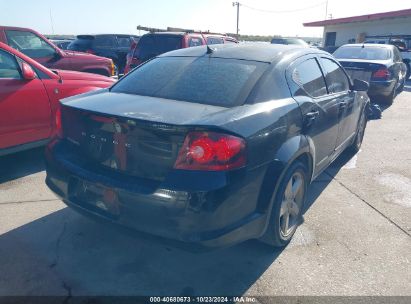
246 51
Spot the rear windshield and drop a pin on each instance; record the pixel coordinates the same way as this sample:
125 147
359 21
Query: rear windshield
80 45
288 41
216 81
150 46
358 52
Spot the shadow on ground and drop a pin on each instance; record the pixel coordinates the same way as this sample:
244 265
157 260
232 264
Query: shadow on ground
64 253
21 164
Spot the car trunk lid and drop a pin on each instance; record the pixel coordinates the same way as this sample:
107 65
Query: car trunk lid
136 135
362 69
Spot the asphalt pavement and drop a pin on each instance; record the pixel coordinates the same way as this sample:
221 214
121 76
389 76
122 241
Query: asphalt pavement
355 239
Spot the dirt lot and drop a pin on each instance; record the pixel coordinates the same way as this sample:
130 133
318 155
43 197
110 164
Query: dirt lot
355 239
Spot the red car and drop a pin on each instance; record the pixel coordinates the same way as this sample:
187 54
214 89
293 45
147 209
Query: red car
39 48
29 98
156 43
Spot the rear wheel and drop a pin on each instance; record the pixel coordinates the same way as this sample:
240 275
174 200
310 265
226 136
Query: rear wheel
356 145
401 87
287 206
390 98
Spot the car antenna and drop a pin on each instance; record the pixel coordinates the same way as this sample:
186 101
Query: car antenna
209 49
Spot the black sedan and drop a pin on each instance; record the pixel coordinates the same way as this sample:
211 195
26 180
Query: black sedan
379 64
208 146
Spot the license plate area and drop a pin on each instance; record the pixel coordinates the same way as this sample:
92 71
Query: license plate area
94 197
359 74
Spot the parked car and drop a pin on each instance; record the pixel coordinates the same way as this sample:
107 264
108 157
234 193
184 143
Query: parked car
154 44
39 48
287 41
379 64
61 43
113 46
402 42
29 95
211 148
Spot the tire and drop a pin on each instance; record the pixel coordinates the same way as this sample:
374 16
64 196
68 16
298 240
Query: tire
401 87
390 98
362 124
287 205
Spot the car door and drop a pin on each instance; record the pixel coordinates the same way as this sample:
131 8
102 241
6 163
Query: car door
24 105
349 107
319 109
33 46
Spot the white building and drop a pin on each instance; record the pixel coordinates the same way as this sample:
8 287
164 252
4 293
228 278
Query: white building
355 29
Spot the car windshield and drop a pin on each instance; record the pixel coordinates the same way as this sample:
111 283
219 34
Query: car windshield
150 46
359 52
216 81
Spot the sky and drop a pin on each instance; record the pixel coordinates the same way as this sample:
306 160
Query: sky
122 16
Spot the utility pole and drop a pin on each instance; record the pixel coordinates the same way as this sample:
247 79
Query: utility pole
238 14
326 10
51 22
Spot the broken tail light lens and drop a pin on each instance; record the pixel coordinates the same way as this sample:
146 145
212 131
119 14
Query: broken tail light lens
211 151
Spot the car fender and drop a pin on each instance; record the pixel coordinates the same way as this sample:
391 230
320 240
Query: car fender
290 150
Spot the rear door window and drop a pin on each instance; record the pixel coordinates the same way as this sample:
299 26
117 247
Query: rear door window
308 76
215 40
194 41
335 77
29 44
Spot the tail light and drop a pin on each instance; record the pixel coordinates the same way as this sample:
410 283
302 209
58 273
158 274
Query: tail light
210 151
58 124
91 52
382 73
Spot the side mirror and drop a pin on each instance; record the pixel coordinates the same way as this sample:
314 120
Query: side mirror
27 71
360 85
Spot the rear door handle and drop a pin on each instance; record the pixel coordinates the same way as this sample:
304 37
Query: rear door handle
343 104
311 117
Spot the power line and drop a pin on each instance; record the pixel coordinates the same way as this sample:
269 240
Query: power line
285 11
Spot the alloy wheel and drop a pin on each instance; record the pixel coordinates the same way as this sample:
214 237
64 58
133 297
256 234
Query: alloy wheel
291 205
361 131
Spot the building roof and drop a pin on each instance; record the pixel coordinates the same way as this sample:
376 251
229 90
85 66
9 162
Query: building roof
362 18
